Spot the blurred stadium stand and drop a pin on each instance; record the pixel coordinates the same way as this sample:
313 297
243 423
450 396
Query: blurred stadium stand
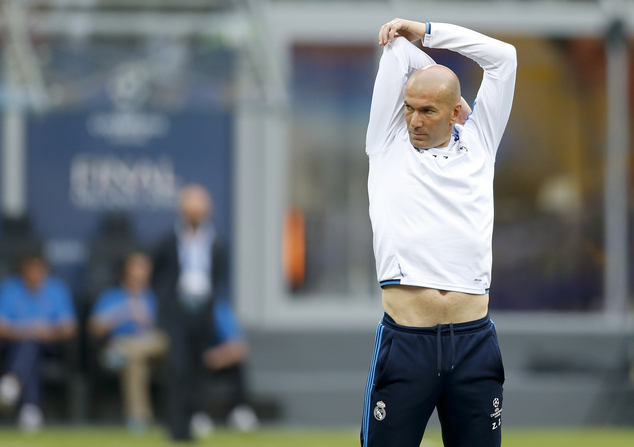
107 250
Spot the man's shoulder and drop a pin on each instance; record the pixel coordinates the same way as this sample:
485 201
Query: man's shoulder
111 295
109 299
10 282
11 287
56 285
57 293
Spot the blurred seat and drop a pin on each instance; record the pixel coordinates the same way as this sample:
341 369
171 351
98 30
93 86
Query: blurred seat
106 251
16 239
59 369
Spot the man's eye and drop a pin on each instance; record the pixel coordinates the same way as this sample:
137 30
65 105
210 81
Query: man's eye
408 107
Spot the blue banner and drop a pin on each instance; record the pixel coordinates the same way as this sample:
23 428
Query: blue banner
84 165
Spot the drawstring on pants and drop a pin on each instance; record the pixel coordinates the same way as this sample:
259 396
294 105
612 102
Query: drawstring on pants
453 346
439 345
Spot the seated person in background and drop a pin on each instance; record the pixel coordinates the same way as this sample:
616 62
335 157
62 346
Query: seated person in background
36 311
126 316
225 358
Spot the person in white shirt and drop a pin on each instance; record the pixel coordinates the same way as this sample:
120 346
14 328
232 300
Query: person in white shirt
431 205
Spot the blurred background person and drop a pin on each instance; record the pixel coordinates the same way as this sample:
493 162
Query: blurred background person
126 317
226 359
36 314
190 272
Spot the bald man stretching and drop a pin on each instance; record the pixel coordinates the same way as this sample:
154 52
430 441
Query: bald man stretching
431 207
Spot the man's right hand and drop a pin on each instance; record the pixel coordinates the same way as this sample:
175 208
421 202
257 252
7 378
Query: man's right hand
465 111
409 29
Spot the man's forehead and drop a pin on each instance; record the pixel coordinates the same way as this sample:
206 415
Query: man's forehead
423 98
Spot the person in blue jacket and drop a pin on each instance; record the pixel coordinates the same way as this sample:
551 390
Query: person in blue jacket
126 316
36 314
226 358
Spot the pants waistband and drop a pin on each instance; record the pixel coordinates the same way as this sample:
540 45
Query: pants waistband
458 328
440 330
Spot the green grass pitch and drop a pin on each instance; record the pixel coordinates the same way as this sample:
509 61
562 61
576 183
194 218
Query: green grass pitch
117 437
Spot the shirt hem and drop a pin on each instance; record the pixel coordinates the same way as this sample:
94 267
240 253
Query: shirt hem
431 285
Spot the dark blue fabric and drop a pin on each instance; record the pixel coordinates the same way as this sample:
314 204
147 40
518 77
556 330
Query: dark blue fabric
24 361
454 368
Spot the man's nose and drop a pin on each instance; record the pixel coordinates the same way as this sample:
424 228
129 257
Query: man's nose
417 119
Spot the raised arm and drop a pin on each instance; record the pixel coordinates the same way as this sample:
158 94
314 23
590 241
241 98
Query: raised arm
492 106
399 60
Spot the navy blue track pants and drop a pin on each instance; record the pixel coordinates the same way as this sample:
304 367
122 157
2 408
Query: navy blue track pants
455 368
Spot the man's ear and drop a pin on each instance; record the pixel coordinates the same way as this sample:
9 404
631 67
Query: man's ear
455 114
465 111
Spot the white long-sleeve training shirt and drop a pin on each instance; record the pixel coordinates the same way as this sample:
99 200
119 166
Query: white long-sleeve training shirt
432 210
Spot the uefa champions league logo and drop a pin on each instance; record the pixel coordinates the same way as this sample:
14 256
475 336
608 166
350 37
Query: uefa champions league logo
497 414
129 88
118 180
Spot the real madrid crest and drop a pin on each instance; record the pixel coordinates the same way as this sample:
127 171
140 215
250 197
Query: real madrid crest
379 411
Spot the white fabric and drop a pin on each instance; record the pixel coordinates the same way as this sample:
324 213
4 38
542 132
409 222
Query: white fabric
432 210
194 254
